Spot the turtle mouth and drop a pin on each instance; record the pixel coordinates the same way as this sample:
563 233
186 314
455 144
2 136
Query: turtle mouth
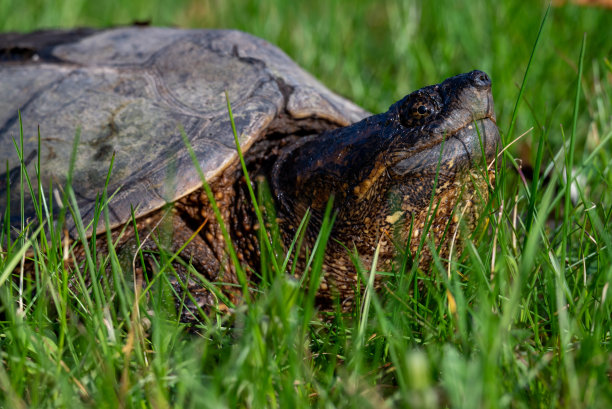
458 123
474 142
478 138
452 152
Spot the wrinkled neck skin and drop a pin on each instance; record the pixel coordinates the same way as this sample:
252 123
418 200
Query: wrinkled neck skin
381 171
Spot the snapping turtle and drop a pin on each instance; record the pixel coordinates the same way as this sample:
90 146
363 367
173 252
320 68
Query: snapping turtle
130 91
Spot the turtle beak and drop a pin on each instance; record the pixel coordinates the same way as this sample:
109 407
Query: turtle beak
478 95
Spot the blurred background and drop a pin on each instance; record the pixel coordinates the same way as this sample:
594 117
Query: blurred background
374 52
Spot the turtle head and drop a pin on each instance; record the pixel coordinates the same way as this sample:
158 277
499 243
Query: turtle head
382 170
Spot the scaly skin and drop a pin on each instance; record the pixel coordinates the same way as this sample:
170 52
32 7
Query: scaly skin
381 172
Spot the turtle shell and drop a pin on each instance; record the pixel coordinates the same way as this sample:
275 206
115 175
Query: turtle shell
129 92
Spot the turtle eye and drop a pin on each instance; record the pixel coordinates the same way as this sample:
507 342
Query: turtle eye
414 111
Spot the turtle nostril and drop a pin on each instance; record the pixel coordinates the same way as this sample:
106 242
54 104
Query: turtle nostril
481 79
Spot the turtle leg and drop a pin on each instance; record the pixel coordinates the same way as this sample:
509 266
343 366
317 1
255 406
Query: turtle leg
194 285
171 247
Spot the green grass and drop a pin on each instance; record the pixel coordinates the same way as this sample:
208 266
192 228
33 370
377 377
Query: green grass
531 321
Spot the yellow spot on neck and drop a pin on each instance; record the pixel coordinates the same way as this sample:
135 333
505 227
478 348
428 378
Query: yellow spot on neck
391 219
362 189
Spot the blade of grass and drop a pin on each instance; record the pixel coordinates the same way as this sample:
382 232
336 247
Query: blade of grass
566 330
240 274
314 266
519 98
258 213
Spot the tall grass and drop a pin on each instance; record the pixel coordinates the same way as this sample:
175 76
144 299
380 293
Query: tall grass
522 320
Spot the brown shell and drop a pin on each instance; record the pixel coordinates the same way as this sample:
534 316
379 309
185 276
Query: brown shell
130 91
